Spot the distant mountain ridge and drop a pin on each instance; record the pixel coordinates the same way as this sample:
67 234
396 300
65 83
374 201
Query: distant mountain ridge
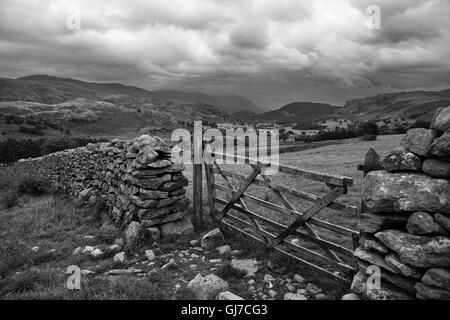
168 108
409 105
52 90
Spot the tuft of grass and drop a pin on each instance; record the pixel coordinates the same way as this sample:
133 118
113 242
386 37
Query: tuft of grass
10 199
33 185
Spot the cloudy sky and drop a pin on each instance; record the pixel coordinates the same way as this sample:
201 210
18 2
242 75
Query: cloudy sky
271 51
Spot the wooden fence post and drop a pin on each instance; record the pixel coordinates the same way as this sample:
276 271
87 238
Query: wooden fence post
198 199
197 176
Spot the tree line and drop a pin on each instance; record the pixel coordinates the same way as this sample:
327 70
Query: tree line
11 150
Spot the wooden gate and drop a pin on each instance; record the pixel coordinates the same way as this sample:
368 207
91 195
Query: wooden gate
293 232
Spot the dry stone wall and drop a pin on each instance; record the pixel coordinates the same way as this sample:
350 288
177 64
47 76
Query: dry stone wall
406 231
135 180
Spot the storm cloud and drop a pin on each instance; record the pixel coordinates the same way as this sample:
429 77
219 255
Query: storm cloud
272 52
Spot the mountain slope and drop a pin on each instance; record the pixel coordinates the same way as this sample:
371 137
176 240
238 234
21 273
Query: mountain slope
412 105
300 112
233 104
99 108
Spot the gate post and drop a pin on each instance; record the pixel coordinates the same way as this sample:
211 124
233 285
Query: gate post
372 162
197 176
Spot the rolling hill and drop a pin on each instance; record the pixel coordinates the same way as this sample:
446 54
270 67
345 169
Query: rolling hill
409 105
299 112
53 90
101 108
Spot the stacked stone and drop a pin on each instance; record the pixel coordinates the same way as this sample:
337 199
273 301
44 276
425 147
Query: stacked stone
406 231
135 179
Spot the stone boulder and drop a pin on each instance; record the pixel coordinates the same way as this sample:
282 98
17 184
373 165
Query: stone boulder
401 159
441 146
393 261
207 287
396 279
369 242
248 266
146 155
372 258
294 296
386 291
422 223
405 192
133 233
443 221
441 119
212 239
417 251
437 168
425 292
419 141
227 295
437 277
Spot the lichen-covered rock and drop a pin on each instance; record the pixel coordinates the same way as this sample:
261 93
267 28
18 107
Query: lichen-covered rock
173 185
386 291
419 141
425 292
437 168
294 296
441 119
421 223
443 221
152 194
400 281
372 257
369 242
417 251
441 146
401 159
207 287
393 261
212 239
227 295
438 277
146 155
249 266
133 233
405 192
